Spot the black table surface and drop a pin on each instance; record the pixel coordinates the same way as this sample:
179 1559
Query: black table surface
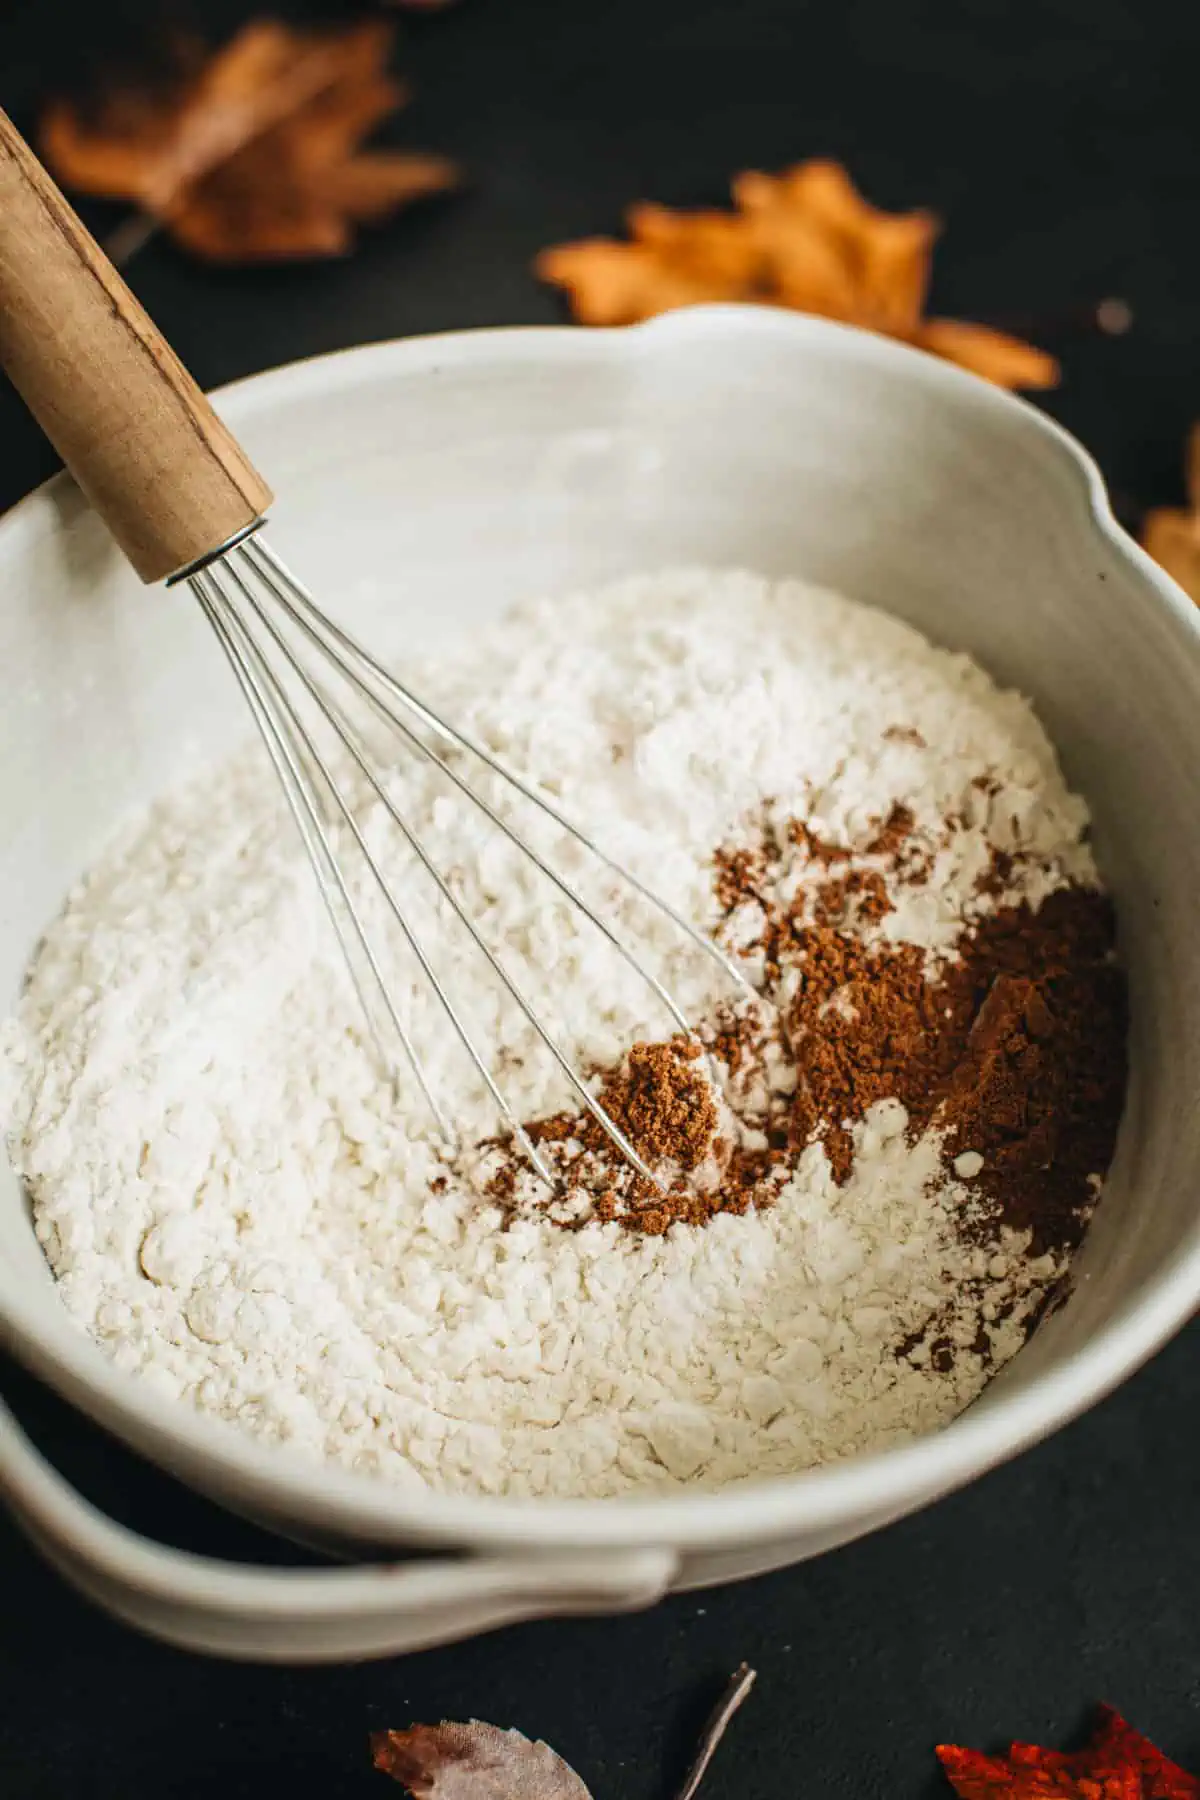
1060 140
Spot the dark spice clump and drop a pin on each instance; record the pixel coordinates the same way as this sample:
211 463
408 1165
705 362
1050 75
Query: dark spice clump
663 1101
1016 1050
662 1097
1038 1095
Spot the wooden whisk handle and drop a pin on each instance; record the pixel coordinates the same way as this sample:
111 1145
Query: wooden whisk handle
136 432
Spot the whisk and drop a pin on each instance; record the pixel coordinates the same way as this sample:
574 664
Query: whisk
186 506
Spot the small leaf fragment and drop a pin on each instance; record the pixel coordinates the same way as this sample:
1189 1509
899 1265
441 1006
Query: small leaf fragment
1192 468
474 1762
1171 534
1006 361
1172 537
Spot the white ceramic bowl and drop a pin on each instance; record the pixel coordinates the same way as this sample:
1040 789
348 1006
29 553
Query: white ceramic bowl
467 471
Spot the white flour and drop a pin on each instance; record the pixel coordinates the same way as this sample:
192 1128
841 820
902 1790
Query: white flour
238 1207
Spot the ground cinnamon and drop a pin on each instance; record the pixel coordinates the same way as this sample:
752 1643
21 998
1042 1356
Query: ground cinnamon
662 1097
1013 1049
1016 1051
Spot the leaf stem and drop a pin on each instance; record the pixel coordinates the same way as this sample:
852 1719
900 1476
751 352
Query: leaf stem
740 1683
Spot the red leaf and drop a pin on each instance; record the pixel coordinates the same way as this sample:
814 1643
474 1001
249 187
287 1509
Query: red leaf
1118 1764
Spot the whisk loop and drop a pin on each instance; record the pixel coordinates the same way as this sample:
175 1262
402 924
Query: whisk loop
244 593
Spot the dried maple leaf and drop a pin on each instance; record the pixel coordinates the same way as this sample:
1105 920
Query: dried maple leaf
474 1762
883 258
255 155
1118 1764
1007 361
805 239
1171 534
617 284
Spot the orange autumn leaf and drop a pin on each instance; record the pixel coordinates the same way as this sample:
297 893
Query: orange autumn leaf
618 284
712 245
255 155
1171 534
1008 361
884 257
1117 1764
1172 537
806 240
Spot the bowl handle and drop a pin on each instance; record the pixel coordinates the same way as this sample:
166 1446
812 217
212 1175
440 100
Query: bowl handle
305 1615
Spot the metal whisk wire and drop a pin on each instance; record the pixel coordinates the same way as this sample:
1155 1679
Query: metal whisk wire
184 503
239 592
271 716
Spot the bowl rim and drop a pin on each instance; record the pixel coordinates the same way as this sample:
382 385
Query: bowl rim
868 1489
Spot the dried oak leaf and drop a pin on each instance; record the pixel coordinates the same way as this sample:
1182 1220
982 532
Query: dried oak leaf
474 1762
1118 1764
806 240
254 156
1171 534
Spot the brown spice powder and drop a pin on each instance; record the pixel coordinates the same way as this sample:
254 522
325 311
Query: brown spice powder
860 897
1015 1049
661 1097
661 1101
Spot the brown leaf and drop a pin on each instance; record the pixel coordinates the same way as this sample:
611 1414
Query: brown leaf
255 155
474 1762
805 239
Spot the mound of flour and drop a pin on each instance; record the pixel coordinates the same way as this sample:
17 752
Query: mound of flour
241 1206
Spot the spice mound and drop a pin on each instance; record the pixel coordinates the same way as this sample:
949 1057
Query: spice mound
1010 1053
866 1164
